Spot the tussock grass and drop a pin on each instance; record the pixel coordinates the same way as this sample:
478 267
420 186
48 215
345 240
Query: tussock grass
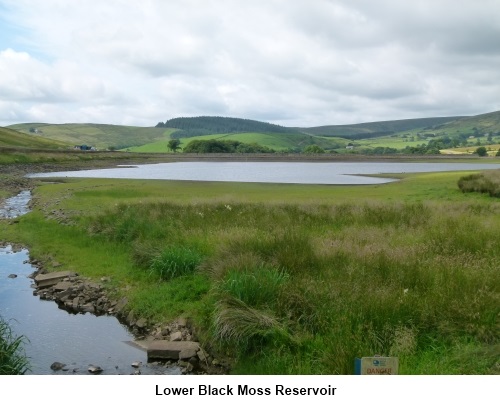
486 182
175 261
322 284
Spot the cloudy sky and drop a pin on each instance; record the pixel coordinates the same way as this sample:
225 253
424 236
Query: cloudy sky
289 62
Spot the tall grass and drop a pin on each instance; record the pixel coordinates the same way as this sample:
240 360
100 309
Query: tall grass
485 182
306 288
175 261
13 361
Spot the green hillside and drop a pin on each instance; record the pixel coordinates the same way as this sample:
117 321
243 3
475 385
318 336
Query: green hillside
375 129
477 125
405 136
198 126
14 139
278 142
102 136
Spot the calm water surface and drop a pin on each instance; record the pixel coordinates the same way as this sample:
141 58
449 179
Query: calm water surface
271 172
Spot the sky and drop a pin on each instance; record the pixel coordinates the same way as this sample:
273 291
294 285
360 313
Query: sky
289 62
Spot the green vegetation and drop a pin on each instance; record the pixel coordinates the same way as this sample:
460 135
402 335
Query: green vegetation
314 149
292 279
198 126
224 146
175 261
481 151
13 139
376 129
13 361
485 182
412 136
102 136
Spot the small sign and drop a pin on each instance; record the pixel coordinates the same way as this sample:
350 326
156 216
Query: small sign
376 365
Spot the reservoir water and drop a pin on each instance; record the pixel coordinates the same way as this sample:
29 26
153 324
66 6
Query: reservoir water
271 172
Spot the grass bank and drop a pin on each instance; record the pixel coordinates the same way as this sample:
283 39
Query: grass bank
288 279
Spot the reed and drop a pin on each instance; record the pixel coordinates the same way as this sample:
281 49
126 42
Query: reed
13 360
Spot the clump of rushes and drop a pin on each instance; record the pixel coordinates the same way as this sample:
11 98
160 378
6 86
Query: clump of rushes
485 182
175 261
257 287
12 358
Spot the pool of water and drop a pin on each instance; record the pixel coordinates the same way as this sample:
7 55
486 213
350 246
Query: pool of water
271 172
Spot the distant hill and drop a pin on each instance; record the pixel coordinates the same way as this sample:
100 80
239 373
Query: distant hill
102 136
396 135
375 129
477 124
11 138
205 125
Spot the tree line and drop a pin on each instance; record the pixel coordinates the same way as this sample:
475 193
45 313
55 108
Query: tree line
197 126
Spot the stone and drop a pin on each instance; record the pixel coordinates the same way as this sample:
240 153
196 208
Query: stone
136 364
188 353
168 350
176 337
141 323
56 366
201 355
63 286
181 322
12 275
50 279
94 369
89 307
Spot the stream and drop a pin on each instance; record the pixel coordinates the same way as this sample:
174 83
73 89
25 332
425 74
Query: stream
54 335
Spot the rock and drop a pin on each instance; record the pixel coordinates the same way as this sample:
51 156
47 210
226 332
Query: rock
141 323
201 355
56 366
188 352
176 337
181 322
168 350
63 285
94 369
130 318
50 279
89 307
136 364
12 275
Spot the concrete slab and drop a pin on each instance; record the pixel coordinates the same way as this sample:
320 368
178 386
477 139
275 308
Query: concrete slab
50 279
167 350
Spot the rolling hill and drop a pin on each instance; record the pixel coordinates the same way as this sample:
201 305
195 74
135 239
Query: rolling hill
397 135
375 129
102 136
14 139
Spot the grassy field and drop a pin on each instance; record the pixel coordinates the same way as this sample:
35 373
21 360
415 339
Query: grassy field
14 139
469 150
278 142
101 136
291 279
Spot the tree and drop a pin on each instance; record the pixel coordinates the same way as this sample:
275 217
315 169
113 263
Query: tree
174 144
314 149
481 151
